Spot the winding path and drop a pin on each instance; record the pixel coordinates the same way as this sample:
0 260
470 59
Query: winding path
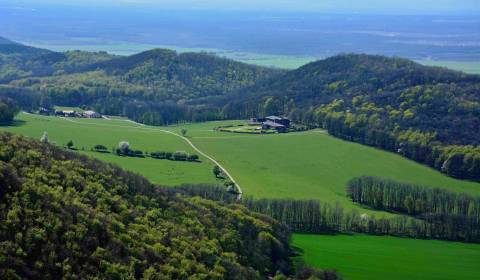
214 161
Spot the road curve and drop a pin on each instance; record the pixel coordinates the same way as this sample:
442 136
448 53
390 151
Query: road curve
224 170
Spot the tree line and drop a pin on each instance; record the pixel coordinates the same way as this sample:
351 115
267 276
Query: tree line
313 216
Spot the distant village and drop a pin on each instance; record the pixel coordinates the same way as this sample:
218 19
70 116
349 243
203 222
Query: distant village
70 113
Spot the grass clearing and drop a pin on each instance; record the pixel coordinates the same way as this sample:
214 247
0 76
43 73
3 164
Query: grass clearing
309 165
363 257
90 132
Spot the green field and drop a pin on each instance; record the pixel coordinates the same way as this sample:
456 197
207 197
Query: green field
363 257
87 133
472 67
309 165
303 165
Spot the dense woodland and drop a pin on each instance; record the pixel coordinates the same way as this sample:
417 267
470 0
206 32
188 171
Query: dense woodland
67 216
428 114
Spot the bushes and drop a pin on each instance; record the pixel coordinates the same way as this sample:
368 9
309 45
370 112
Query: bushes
177 156
180 156
100 149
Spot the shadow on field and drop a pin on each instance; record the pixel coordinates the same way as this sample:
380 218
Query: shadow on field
14 123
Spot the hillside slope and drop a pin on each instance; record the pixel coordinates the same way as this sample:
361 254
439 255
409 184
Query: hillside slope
65 215
19 61
429 114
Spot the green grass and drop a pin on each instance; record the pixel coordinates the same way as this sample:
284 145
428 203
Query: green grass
309 165
304 165
301 165
89 132
362 257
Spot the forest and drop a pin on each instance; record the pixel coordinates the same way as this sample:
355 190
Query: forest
64 215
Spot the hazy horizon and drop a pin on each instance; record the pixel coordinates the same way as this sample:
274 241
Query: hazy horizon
327 6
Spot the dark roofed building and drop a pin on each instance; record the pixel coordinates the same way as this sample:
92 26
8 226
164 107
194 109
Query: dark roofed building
273 125
279 120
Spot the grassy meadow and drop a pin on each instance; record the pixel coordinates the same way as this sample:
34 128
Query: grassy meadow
309 165
363 257
305 165
87 133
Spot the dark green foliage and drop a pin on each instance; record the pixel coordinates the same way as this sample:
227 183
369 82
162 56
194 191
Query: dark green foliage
158 155
63 215
193 158
70 144
100 149
18 61
217 171
458 214
8 110
181 156
154 87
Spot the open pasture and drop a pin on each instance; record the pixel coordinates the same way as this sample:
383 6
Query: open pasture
86 133
363 257
300 165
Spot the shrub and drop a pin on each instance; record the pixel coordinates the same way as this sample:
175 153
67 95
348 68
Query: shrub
169 155
158 155
180 155
193 158
100 149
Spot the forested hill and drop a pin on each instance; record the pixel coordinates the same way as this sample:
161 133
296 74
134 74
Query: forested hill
429 114
19 61
63 215
183 76
155 87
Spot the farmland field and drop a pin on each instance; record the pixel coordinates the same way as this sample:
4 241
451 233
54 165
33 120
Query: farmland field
87 133
304 165
363 257
309 165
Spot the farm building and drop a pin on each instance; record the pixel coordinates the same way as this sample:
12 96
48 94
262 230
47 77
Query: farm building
91 114
279 120
65 113
272 122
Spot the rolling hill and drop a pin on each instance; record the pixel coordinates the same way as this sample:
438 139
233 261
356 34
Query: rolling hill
428 114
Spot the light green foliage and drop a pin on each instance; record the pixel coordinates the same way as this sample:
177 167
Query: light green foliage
362 257
67 216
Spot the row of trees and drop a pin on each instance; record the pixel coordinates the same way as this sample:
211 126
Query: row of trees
411 199
313 216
